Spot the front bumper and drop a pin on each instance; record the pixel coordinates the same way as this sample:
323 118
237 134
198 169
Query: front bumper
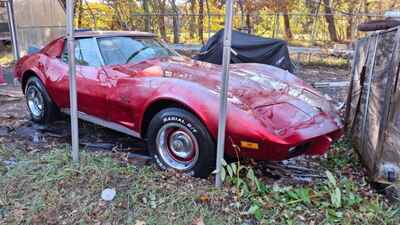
311 140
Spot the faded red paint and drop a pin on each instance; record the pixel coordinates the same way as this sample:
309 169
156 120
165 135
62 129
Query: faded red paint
266 105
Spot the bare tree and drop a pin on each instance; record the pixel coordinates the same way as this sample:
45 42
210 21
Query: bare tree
351 20
286 20
201 21
159 7
147 18
282 6
192 21
175 20
330 20
209 17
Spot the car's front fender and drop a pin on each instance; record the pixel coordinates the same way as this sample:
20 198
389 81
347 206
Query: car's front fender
241 124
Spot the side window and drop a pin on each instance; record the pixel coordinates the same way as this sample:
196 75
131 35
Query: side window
85 53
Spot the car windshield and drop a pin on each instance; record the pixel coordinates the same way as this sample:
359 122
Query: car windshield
122 50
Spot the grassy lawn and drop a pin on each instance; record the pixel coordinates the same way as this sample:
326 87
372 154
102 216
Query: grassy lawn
46 188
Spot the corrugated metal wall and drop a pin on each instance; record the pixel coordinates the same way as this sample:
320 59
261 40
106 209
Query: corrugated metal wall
38 22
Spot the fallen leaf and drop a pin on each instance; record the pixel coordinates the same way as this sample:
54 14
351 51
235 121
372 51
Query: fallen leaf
198 221
204 198
140 222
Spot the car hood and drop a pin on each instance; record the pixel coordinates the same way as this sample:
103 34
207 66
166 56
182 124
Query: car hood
252 87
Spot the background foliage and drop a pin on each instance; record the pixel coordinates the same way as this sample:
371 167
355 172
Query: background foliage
192 21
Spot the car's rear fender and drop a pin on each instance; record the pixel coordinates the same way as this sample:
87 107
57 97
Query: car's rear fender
29 73
32 65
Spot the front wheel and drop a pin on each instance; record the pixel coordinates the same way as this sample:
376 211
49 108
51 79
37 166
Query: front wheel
178 140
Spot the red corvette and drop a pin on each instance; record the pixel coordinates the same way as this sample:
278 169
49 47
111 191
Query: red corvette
133 83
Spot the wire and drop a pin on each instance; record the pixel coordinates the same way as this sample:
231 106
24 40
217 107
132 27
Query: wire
343 12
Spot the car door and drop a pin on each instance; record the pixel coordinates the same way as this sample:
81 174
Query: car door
92 91
125 59
122 83
90 78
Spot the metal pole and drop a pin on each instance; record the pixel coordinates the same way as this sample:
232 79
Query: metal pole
224 91
11 23
72 81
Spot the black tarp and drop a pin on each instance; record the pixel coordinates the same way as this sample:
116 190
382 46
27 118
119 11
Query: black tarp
247 48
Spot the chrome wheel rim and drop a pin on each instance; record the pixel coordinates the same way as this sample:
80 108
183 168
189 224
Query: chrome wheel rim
177 146
35 101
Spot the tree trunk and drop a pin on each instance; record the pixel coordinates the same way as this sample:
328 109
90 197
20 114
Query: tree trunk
349 28
248 23
201 21
130 18
192 21
80 13
241 7
366 9
331 21
288 31
161 21
209 19
175 21
147 18
313 7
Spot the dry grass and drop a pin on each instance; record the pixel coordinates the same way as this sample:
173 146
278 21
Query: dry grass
45 188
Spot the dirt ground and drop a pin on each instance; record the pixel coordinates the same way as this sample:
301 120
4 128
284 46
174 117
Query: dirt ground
331 81
17 131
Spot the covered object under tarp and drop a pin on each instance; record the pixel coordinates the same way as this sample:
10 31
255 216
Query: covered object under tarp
373 112
247 48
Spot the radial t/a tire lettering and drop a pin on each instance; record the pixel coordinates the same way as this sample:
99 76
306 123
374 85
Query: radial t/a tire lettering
177 139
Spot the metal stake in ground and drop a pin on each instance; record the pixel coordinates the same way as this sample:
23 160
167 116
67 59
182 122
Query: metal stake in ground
224 91
72 81
13 31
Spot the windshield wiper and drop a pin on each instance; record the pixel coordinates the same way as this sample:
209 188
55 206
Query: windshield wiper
136 53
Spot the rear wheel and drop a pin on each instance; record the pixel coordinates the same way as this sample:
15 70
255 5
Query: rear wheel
40 106
178 140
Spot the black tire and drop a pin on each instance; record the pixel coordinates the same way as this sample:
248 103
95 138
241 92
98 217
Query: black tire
375 25
50 111
205 161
